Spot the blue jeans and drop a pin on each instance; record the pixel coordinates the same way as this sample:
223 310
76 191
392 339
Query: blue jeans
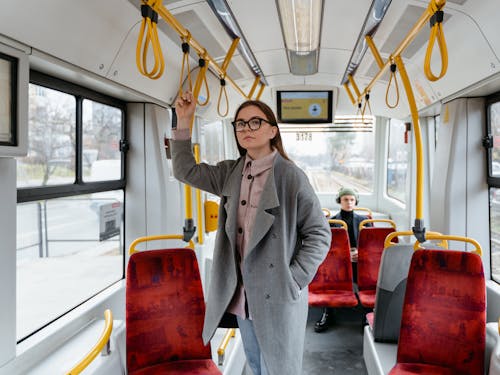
251 346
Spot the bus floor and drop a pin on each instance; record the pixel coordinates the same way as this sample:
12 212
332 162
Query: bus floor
339 349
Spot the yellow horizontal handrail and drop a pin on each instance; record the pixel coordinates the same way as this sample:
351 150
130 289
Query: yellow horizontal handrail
103 340
476 244
388 240
364 209
366 221
424 18
231 332
132 249
339 222
327 212
159 8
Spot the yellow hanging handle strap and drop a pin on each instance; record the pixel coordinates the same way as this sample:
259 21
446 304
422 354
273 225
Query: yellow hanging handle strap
222 92
436 22
396 87
148 34
201 63
185 65
367 104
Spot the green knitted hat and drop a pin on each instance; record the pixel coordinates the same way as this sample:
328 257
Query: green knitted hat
347 191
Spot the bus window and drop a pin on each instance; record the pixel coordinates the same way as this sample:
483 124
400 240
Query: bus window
102 131
51 151
494 184
70 201
333 158
397 161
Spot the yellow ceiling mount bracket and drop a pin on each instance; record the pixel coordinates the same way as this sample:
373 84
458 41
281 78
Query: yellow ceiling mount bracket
354 86
254 86
376 54
261 90
349 93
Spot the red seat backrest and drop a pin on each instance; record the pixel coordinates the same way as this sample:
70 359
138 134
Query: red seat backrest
335 273
370 247
165 308
444 314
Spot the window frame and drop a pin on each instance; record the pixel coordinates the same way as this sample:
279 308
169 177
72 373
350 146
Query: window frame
78 187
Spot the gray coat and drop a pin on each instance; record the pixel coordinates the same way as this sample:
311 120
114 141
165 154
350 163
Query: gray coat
290 239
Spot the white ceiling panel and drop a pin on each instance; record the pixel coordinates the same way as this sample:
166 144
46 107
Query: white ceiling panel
342 21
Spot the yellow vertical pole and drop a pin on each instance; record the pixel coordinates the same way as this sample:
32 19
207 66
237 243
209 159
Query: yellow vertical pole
199 213
187 189
418 141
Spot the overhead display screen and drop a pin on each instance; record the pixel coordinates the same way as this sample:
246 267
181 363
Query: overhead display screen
304 107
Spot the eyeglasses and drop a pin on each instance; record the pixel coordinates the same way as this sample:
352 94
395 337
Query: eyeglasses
253 124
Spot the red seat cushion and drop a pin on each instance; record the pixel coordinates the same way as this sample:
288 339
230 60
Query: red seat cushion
333 298
414 368
367 297
188 367
332 284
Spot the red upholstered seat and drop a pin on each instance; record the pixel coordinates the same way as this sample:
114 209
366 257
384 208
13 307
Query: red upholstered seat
332 285
191 367
165 310
443 327
370 247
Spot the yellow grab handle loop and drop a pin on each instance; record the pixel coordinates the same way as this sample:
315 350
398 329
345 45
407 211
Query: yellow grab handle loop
148 34
436 23
395 78
222 92
366 221
339 222
443 237
185 65
201 64
132 250
367 104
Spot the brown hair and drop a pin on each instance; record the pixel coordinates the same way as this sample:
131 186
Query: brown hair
268 112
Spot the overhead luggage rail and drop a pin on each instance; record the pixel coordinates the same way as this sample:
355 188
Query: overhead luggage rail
102 345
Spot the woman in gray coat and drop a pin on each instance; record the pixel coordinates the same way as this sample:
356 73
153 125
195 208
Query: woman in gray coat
271 237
